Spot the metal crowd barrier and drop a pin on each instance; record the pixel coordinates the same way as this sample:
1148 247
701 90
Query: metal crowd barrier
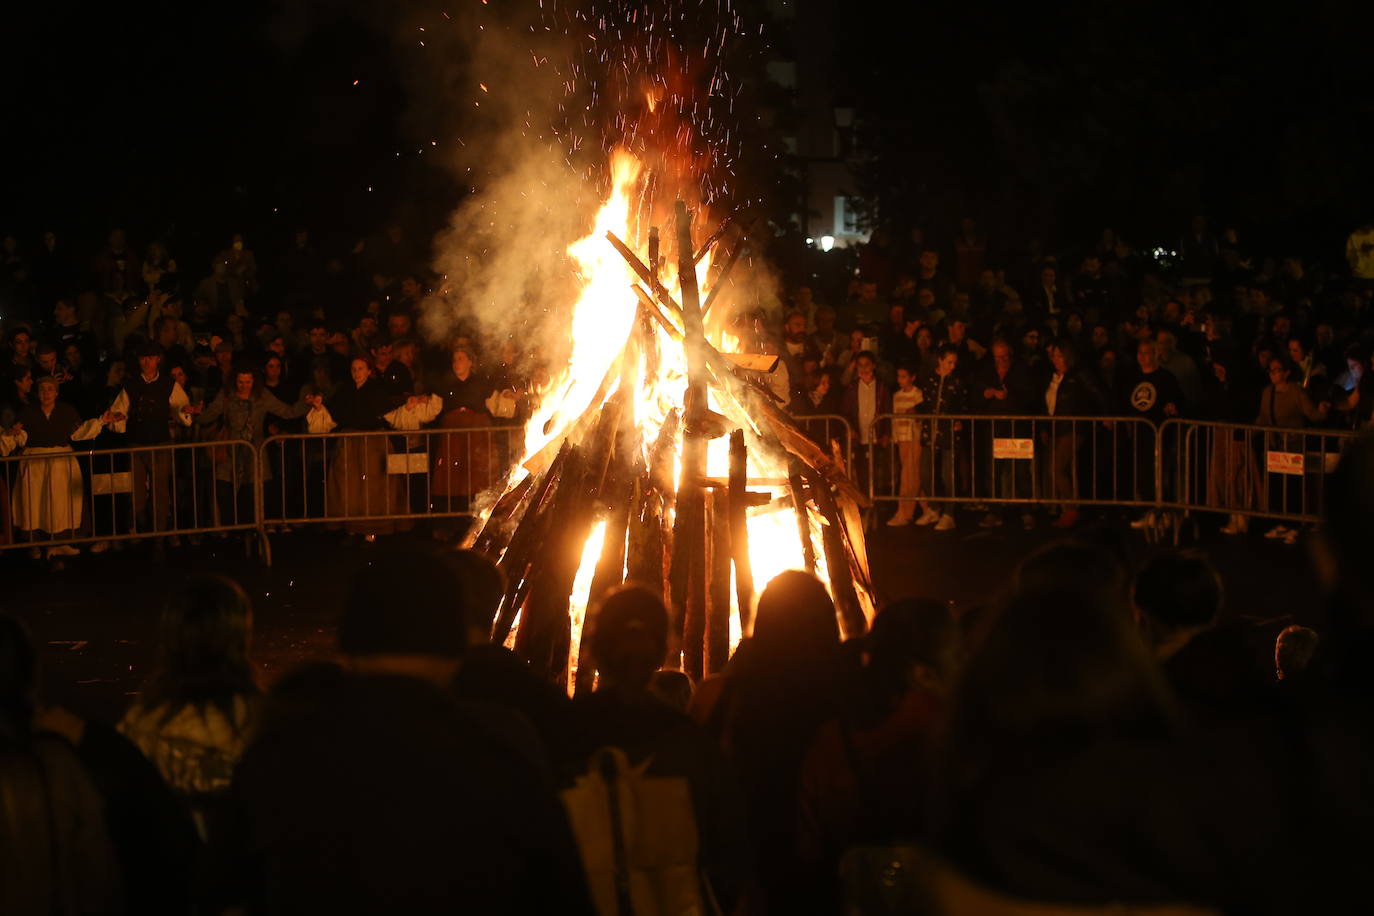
1269 471
825 428
379 482
1014 459
375 482
55 498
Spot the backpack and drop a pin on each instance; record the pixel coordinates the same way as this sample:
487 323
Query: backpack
637 837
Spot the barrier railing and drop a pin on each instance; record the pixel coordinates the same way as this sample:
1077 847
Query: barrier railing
55 498
1014 459
1269 471
378 482
824 428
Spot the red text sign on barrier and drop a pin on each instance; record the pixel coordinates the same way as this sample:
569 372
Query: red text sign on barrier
1018 449
1284 462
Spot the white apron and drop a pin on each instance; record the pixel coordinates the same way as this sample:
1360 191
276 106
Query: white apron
50 494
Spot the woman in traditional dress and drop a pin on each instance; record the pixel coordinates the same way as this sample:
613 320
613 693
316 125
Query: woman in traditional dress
50 492
360 491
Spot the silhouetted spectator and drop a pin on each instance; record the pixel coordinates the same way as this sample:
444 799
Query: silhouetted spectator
1077 565
369 788
490 672
628 643
154 839
765 709
57 858
1073 788
1293 652
867 777
196 711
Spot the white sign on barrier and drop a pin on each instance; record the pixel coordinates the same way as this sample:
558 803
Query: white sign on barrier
1013 449
108 484
408 463
1284 462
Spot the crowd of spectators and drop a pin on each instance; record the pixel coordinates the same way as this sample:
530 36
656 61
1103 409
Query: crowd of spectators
133 346
1099 739
140 348
1206 330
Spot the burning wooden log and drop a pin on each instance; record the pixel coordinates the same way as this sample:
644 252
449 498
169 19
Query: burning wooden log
646 559
689 536
655 263
722 278
687 586
500 524
647 307
792 438
794 478
739 530
714 237
717 637
649 277
520 553
837 560
545 628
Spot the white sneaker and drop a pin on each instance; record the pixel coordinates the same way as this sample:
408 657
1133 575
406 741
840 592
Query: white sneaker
898 521
64 550
928 517
945 523
1291 537
1277 532
1148 520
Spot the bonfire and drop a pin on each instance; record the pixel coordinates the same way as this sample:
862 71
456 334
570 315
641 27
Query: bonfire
659 457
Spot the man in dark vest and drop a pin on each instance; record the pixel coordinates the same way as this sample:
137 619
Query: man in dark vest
146 407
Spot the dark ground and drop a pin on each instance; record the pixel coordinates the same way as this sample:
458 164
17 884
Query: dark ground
96 619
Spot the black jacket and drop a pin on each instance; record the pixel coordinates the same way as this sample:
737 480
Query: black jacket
1078 396
943 395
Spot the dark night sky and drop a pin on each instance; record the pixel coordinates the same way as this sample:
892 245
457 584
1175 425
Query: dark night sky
189 118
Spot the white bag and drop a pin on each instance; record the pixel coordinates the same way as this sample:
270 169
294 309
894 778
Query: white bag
637 836
501 404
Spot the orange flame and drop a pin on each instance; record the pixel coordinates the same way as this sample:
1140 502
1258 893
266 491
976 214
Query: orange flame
602 320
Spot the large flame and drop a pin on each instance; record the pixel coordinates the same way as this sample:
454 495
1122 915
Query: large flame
604 313
602 320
